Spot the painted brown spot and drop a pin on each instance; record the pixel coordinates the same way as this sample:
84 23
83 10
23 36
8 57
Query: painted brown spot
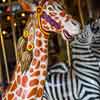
39 92
36 73
44 73
32 92
10 96
36 52
18 79
42 82
53 14
46 41
44 22
37 64
18 69
46 46
34 61
46 36
38 43
46 27
19 91
43 66
14 86
34 82
31 70
32 99
24 80
43 50
5 98
39 34
44 58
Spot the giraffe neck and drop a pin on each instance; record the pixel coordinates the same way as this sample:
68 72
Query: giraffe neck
30 85
40 51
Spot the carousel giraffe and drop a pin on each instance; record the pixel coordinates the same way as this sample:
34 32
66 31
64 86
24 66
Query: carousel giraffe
46 18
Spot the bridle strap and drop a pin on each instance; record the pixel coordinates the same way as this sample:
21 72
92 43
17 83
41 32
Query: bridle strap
39 12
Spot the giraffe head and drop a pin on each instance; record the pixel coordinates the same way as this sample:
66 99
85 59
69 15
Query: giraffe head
54 18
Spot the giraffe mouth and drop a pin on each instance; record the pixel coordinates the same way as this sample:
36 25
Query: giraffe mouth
66 34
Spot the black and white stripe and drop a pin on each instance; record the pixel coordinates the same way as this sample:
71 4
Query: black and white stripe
83 81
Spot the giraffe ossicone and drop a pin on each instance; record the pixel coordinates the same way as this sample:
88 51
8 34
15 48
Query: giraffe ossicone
29 85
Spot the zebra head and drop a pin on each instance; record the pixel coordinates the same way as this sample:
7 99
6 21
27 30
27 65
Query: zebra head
95 27
90 33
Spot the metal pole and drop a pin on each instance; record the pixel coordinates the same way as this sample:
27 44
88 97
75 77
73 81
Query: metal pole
89 8
0 71
13 30
80 12
4 55
68 53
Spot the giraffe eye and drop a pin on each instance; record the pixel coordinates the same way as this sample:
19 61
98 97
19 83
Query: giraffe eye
50 8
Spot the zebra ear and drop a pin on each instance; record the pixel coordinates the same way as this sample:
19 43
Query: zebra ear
90 21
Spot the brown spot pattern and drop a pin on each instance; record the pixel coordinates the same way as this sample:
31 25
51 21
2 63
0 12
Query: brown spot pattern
38 43
32 99
32 92
19 91
31 70
24 80
42 82
14 86
36 73
37 64
46 46
34 61
44 73
33 82
44 58
39 34
43 66
46 36
43 50
18 79
18 69
10 96
37 52
39 92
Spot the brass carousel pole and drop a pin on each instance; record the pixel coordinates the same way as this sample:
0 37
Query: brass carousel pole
13 30
4 55
0 71
68 53
89 8
80 13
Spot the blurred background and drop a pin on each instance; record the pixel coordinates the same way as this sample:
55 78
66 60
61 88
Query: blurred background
12 22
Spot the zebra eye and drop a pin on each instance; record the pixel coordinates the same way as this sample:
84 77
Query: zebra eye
73 22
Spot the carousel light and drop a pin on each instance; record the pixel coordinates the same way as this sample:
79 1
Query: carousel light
15 24
4 32
4 1
23 14
8 18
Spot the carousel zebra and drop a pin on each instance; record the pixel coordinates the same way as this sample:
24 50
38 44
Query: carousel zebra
82 81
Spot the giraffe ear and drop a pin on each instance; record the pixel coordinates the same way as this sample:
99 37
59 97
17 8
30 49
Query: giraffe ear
25 5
